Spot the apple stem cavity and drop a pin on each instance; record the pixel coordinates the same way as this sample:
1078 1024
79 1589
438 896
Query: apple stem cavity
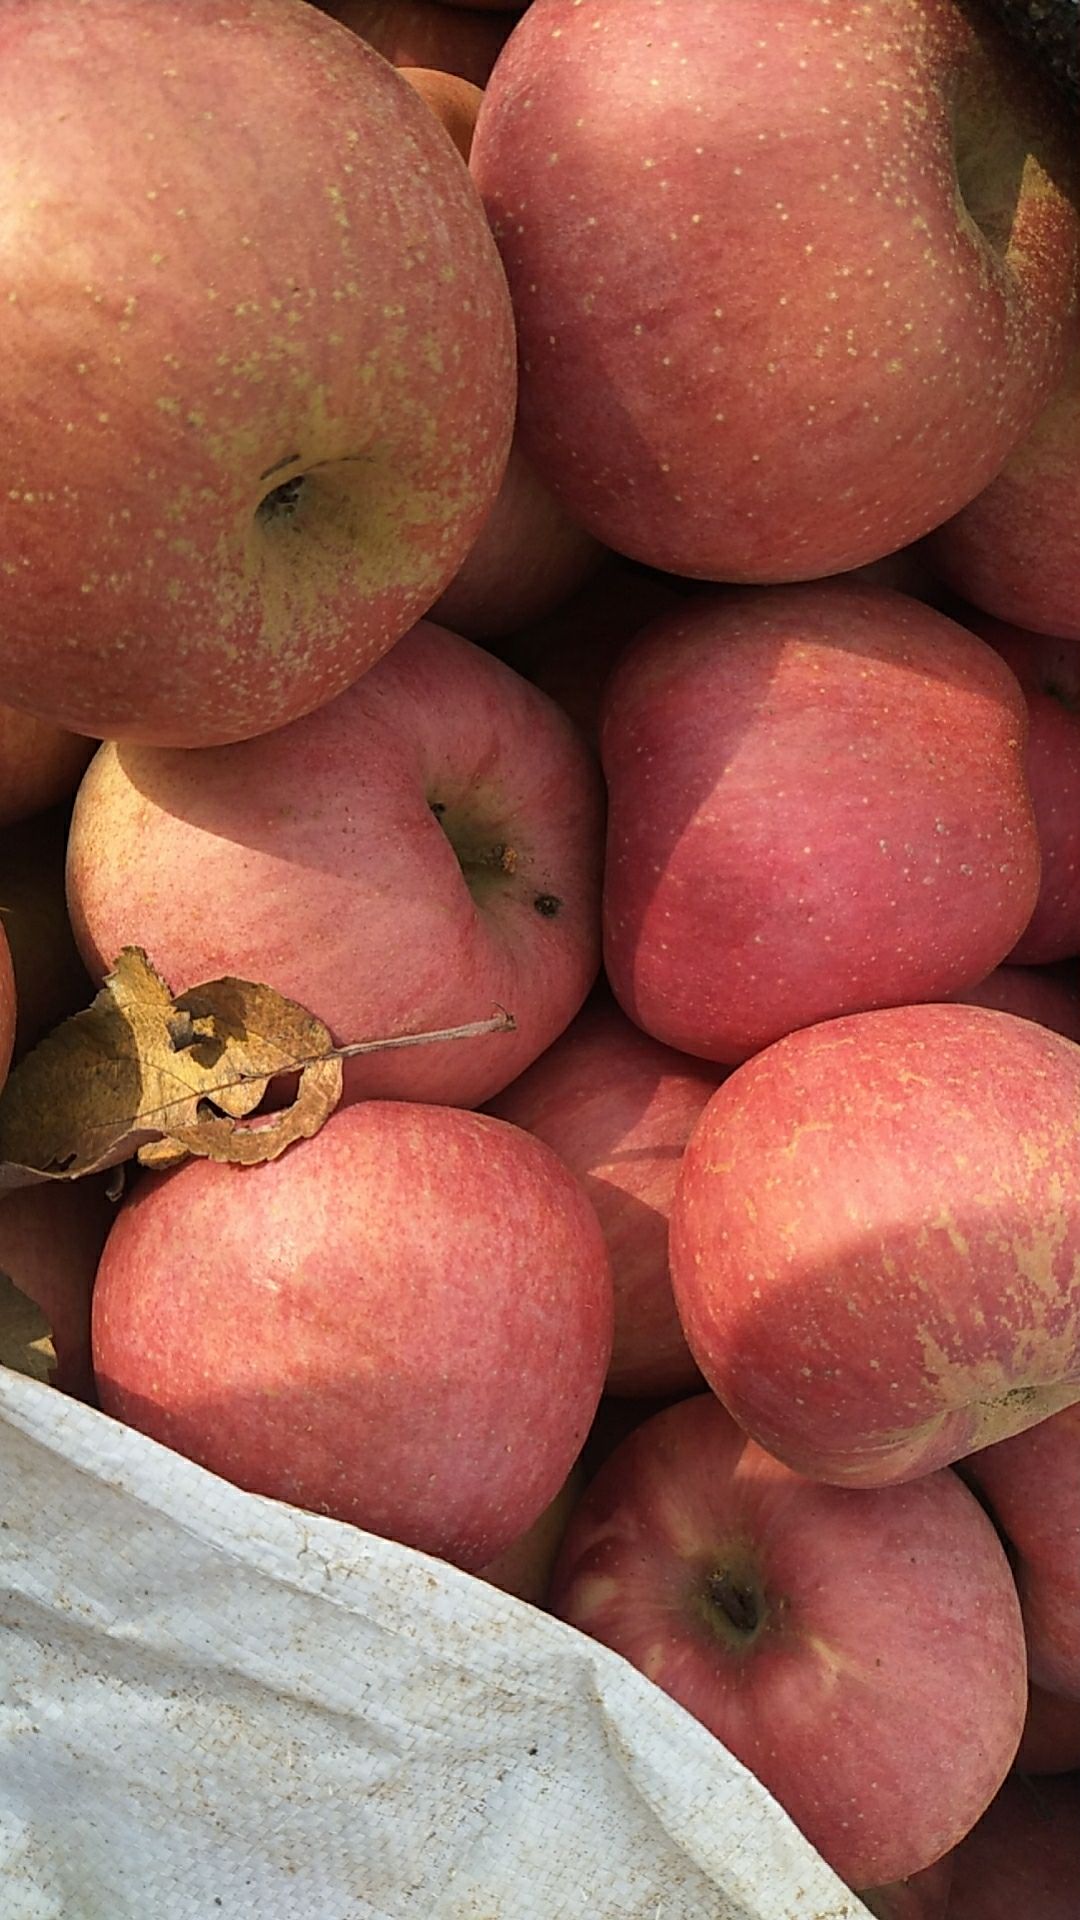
282 500
734 1605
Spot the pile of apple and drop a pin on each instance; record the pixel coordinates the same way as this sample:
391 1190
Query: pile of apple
355 496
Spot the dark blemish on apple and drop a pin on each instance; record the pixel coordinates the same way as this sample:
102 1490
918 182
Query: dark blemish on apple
548 905
438 808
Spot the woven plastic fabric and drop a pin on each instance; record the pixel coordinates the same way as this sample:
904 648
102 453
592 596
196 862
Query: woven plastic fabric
215 1707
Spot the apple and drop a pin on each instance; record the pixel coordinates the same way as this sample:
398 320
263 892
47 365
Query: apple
40 765
1051 1738
1031 1485
454 101
790 282
1049 672
50 979
817 805
524 1568
404 1322
280 388
618 1108
1015 550
422 33
1022 1860
875 1236
1046 994
421 851
823 1635
51 1237
922 1896
529 559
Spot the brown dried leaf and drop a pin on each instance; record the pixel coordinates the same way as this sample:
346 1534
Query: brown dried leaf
141 1073
26 1342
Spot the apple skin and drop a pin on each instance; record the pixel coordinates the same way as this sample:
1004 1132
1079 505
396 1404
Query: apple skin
763 335
404 1323
1051 1738
529 558
422 33
1022 1860
1015 551
1031 1485
1046 995
923 1896
315 861
819 1633
524 1568
1049 672
50 979
908 873
618 1108
288 370
40 765
51 1237
874 1238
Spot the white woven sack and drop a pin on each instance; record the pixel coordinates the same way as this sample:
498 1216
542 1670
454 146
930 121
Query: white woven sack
217 1707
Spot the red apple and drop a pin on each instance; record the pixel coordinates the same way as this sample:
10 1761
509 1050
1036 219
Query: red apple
1022 1861
923 1896
1051 1737
1031 1484
875 1237
823 1635
1049 995
404 1322
1049 672
618 1108
790 282
524 1567
280 387
454 101
40 765
817 805
418 852
529 558
50 979
421 33
1015 551
51 1238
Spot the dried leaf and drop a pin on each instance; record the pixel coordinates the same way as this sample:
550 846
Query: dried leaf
141 1073
25 1335
144 1073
